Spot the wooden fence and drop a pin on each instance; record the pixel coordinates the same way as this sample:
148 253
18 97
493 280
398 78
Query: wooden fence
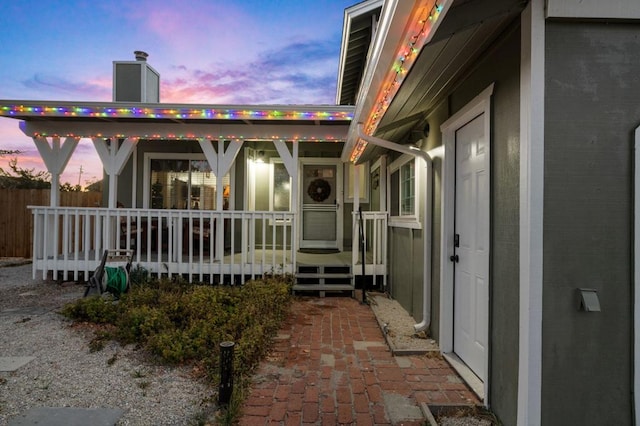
16 220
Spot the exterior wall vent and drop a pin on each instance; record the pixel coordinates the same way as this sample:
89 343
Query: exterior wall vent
136 81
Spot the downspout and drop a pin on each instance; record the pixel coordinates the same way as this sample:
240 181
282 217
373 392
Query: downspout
426 238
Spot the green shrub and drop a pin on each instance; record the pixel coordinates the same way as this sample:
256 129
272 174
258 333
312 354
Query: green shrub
94 309
138 323
180 322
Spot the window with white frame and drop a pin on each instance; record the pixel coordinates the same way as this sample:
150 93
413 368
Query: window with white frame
280 188
403 190
182 181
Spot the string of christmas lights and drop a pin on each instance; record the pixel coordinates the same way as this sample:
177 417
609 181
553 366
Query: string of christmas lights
170 113
188 136
413 43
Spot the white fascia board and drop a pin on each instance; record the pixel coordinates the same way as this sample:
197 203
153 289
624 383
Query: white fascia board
593 9
636 280
21 109
381 55
330 133
350 14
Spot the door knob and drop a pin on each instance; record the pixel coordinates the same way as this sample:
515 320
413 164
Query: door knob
454 258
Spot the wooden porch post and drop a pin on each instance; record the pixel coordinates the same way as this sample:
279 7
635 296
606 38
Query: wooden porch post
220 163
113 160
290 161
55 158
354 219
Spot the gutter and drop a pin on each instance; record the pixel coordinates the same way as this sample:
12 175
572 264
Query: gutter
426 237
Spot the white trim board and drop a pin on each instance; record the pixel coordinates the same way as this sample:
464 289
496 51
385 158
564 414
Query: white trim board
532 91
636 280
481 104
593 9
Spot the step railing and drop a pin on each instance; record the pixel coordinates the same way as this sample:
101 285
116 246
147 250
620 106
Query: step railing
205 246
374 234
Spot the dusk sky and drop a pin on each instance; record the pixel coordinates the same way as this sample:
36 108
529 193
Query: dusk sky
206 51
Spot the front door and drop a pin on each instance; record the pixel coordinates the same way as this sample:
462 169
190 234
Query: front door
321 193
471 241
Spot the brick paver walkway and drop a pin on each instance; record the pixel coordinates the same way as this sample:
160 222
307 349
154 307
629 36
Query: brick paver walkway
330 365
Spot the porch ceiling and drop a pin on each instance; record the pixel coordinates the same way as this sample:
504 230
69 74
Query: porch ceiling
468 29
89 119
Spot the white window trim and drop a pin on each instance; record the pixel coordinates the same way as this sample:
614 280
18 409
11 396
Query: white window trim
249 176
148 156
287 221
380 165
636 278
407 221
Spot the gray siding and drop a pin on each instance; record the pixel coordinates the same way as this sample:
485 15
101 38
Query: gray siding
591 110
405 263
501 65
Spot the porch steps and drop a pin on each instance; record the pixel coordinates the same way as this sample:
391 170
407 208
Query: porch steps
323 279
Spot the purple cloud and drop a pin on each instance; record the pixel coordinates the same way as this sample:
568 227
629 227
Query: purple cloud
75 90
301 72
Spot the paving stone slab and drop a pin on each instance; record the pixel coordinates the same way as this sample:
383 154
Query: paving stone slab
400 408
12 363
67 416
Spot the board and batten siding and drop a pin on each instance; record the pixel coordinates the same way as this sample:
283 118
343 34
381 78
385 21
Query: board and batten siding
591 111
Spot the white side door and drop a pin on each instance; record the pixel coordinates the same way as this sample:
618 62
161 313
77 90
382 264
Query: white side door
320 195
471 241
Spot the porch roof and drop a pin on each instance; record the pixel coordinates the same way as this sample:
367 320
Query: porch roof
179 121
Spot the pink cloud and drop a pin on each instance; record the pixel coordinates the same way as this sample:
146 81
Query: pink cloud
85 155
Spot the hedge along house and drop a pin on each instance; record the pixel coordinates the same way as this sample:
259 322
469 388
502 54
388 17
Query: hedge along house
505 133
220 193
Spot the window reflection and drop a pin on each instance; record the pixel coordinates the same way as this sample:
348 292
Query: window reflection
185 184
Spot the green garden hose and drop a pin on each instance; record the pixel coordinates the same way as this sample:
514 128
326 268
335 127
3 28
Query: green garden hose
117 280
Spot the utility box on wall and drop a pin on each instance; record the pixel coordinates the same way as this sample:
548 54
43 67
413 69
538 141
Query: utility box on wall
135 81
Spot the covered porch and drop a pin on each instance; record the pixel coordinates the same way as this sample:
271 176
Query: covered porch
217 215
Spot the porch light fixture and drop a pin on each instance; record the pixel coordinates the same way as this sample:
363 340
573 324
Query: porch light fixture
423 19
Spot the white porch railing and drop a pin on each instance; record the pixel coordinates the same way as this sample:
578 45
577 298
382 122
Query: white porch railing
375 242
208 246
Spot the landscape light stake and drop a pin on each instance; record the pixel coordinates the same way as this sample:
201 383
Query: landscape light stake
226 373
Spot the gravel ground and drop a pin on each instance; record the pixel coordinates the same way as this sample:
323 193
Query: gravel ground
65 373
398 324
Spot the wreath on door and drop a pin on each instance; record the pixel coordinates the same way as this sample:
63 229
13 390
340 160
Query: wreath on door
319 190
